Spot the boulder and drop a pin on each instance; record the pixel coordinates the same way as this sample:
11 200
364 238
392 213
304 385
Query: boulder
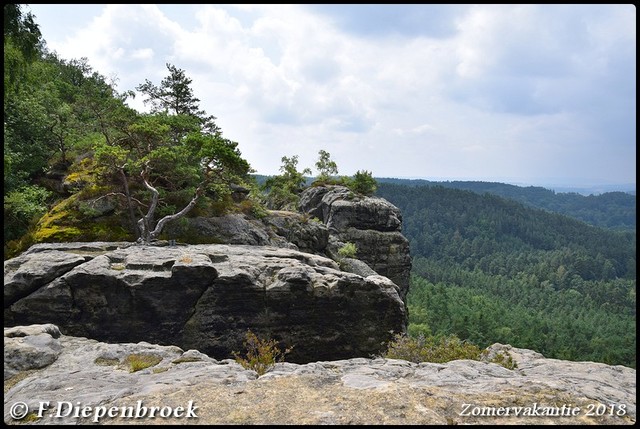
233 228
207 297
25 274
30 347
308 234
373 224
278 228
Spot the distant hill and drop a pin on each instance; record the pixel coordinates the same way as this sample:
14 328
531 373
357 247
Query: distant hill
612 210
491 269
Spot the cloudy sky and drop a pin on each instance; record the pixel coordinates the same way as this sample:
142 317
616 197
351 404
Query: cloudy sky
524 94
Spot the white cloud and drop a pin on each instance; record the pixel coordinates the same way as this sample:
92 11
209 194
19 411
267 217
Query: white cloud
487 90
142 54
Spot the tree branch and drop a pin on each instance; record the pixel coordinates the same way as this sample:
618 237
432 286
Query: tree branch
178 215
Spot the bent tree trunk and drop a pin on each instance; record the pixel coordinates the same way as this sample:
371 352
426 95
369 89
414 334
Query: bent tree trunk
148 233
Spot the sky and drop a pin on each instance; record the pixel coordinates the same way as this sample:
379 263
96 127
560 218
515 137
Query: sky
522 94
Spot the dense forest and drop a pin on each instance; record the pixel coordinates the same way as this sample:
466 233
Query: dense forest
612 210
490 269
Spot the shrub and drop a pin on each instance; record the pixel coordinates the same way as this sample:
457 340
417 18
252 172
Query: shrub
349 250
21 208
505 361
431 349
326 167
363 183
262 355
440 350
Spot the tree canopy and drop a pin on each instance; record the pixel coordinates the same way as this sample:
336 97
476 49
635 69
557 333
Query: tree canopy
169 148
175 96
66 122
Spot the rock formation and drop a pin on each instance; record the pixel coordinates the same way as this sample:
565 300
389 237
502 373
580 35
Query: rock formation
285 229
63 375
204 297
373 224
331 217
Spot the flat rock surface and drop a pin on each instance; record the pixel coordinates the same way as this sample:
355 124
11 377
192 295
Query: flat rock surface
88 375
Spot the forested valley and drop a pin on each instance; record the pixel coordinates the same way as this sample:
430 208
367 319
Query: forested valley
611 210
490 269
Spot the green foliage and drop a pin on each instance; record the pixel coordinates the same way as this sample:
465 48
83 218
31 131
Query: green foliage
326 167
136 361
57 112
440 349
417 329
611 210
492 270
51 116
22 27
349 250
175 96
71 220
505 361
252 208
172 161
22 45
363 183
282 191
431 349
22 207
261 354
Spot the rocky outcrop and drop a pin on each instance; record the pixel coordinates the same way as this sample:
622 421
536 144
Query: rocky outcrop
369 391
305 233
277 228
373 224
234 228
331 216
204 297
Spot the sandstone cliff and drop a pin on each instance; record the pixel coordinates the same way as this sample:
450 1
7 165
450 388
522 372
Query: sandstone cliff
373 224
204 297
70 374
330 217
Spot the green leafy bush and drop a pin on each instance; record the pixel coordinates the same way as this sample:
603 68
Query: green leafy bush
363 183
505 361
262 354
326 168
282 191
21 208
431 349
349 250
441 349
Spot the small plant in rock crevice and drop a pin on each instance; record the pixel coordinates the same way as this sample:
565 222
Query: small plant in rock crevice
136 362
261 355
349 250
